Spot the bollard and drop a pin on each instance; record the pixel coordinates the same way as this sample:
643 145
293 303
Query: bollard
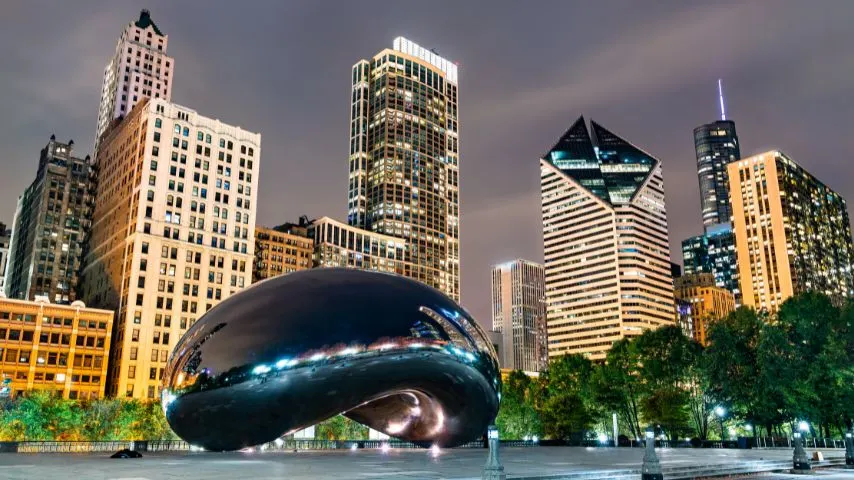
493 470
849 449
651 469
800 461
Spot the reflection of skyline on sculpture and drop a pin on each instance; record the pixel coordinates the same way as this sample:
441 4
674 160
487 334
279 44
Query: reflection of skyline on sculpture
389 352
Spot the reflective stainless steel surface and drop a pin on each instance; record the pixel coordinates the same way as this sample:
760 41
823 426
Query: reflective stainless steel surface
289 352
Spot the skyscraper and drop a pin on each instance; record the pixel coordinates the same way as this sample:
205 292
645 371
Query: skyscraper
51 222
139 68
5 238
404 158
791 232
716 144
607 265
519 313
172 232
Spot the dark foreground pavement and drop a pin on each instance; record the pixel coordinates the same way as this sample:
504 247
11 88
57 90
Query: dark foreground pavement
365 464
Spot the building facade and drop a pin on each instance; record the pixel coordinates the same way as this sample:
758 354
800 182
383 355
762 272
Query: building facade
278 252
716 145
5 240
792 232
61 348
139 69
52 219
404 159
708 302
607 266
519 314
172 232
337 244
714 252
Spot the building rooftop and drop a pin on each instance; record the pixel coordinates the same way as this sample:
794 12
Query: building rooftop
605 164
145 21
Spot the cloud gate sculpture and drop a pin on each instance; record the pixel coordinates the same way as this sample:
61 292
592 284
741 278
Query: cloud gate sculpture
292 351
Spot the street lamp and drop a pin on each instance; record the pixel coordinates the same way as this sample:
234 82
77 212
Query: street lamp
720 412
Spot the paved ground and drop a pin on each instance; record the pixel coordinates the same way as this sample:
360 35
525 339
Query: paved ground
827 474
363 464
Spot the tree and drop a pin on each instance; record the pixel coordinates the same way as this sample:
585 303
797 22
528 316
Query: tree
41 415
616 385
665 364
567 408
340 427
731 362
517 416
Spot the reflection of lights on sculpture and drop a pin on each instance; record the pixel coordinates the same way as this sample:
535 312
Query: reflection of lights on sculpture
353 447
387 346
415 411
279 442
260 369
416 345
396 427
440 422
349 351
435 450
385 448
317 356
603 438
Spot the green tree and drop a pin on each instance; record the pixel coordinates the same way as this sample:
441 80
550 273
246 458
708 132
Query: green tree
517 415
665 363
616 385
41 415
340 427
567 406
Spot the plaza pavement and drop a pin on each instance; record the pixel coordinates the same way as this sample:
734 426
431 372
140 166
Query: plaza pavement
406 464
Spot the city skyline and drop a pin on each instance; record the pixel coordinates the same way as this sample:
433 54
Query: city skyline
506 117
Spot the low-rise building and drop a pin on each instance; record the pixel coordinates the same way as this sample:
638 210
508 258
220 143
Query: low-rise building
337 244
45 346
280 250
707 302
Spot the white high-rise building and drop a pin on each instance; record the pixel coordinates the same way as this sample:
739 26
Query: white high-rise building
172 232
607 256
519 314
139 68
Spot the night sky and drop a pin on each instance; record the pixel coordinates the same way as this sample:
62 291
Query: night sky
527 71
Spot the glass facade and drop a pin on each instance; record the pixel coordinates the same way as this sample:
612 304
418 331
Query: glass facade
714 253
716 144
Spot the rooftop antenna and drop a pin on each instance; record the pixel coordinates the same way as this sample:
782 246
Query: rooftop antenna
721 97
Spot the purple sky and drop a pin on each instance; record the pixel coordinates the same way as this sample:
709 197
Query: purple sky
527 70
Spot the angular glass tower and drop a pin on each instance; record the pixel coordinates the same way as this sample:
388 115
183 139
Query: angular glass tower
713 252
607 266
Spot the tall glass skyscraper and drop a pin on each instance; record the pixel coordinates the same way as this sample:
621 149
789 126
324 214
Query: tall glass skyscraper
716 144
404 158
713 252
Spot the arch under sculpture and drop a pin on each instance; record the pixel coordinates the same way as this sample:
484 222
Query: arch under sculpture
384 350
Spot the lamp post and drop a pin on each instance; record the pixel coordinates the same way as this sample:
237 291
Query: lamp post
720 412
800 461
493 470
651 469
849 449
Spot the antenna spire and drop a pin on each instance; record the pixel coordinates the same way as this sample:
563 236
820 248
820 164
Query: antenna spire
721 97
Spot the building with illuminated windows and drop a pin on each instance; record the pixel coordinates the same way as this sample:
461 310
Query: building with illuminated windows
52 219
607 266
279 251
519 314
716 144
404 159
792 232
173 232
61 348
138 69
337 244
707 301
714 252
5 239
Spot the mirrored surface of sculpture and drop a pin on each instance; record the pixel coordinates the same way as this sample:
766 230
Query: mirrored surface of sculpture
292 351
